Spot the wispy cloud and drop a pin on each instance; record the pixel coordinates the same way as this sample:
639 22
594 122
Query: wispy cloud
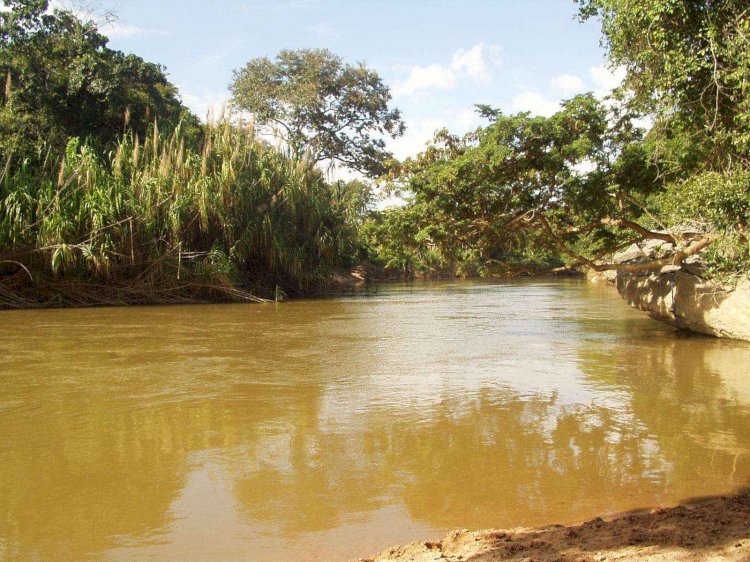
425 78
119 30
602 79
476 64
278 5
567 84
535 103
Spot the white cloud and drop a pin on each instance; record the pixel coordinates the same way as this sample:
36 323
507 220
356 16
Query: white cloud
475 63
603 80
420 131
535 103
118 30
416 136
425 78
567 84
606 79
204 103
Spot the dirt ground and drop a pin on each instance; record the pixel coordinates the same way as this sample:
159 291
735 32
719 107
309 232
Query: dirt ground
708 529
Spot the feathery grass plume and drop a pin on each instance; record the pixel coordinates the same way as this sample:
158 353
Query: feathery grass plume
8 86
233 213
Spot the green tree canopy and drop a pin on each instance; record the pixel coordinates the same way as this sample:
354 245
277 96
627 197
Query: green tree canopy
321 106
525 189
583 182
61 80
687 61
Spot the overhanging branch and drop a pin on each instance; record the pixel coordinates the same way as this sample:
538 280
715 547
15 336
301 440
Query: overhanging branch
675 259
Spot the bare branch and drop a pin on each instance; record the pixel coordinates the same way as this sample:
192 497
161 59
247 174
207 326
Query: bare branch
623 223
675 259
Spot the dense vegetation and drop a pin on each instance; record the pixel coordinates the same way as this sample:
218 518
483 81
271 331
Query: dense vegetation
60 80
528 193
112 191
502 198
160 221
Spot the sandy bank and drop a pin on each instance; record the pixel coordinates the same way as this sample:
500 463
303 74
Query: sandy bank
706 529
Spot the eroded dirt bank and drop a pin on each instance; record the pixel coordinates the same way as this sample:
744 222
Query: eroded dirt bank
707 529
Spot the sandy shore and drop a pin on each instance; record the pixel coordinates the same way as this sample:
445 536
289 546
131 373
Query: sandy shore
708 529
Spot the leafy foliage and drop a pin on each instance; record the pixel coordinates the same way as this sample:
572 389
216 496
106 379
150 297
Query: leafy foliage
320 106
477 201
160 214
688 62
716 202
61 81
584 182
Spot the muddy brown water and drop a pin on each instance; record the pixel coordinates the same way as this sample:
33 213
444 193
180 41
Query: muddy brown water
328 429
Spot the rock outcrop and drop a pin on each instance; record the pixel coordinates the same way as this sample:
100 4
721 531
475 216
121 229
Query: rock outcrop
680 296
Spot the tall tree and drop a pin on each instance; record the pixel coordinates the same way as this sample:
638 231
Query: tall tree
688 65
688 62
321 106
525 189
61 80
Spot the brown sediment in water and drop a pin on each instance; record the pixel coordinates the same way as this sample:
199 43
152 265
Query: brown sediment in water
715 528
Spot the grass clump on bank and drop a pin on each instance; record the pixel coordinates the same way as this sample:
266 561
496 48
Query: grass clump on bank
158 220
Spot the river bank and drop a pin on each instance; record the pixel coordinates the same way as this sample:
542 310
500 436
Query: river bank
687 296
716 528
20 290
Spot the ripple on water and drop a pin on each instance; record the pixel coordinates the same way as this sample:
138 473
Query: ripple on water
334 428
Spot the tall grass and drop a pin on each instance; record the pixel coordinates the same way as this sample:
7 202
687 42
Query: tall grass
158 221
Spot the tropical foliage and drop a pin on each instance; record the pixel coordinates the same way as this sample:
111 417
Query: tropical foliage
321 107
523 191
584 182
687 63
111 191
158 219
60 80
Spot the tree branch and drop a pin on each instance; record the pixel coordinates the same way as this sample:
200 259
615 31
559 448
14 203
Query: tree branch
623 223
675 259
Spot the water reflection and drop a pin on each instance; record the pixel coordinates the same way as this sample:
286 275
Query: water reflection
330 429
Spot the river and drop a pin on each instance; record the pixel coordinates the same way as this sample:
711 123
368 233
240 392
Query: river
328 429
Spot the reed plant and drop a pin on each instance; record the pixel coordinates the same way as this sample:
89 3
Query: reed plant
158 220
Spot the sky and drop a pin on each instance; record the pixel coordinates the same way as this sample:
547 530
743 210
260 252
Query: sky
438 57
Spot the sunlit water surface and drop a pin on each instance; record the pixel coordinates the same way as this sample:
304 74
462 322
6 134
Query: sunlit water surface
328 429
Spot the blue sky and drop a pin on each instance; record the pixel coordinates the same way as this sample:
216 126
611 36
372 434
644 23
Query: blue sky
439 57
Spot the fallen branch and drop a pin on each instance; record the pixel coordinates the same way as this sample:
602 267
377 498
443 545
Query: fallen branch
19 264
675 259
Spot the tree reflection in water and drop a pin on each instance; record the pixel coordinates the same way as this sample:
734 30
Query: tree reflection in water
339 427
